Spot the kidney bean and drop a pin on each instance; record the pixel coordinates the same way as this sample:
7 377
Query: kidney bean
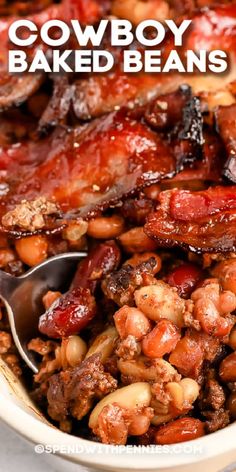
161 340
185 278
228 368
69 314
101 260
183 429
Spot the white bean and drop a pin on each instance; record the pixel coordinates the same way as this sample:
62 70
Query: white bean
136 395
104 344
75 350
142 369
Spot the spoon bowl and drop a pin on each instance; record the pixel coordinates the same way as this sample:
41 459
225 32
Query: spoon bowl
23 295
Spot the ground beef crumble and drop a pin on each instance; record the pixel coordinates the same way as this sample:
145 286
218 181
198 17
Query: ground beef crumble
30 216
73 391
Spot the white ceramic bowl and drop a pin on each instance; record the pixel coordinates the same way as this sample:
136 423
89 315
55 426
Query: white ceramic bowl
213 453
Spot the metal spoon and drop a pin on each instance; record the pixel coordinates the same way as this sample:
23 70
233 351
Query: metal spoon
22 297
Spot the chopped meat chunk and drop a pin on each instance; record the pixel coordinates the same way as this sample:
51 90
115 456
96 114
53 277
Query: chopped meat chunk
73 391
116 423
121 285
203 221
128 348
30 215
216 420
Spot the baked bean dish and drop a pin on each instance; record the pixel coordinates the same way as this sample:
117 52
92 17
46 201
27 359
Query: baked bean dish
139 170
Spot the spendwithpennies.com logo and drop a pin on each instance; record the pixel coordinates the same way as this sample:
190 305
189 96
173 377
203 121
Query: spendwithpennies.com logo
93 449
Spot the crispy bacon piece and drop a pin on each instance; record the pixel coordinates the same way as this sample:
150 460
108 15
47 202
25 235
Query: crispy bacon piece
167 110
25 7
88 168
137 10
182 7
226 122
98 94
14 90
210 25
207 169
101 94
202 221
86 11
59 105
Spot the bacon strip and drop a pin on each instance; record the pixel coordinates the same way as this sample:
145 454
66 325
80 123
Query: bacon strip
226 121
200 221
97 95
88 168
14 90
203 171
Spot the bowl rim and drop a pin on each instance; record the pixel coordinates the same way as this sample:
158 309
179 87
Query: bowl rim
36 432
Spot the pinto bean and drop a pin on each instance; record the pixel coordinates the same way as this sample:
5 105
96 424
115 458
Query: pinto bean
227 369
6 256
135 240
74 232
226 272
131 321
227 302
139 425
50 297
178 398
160 301
32 250
106 227
211 322
180 430
161 340
137 10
